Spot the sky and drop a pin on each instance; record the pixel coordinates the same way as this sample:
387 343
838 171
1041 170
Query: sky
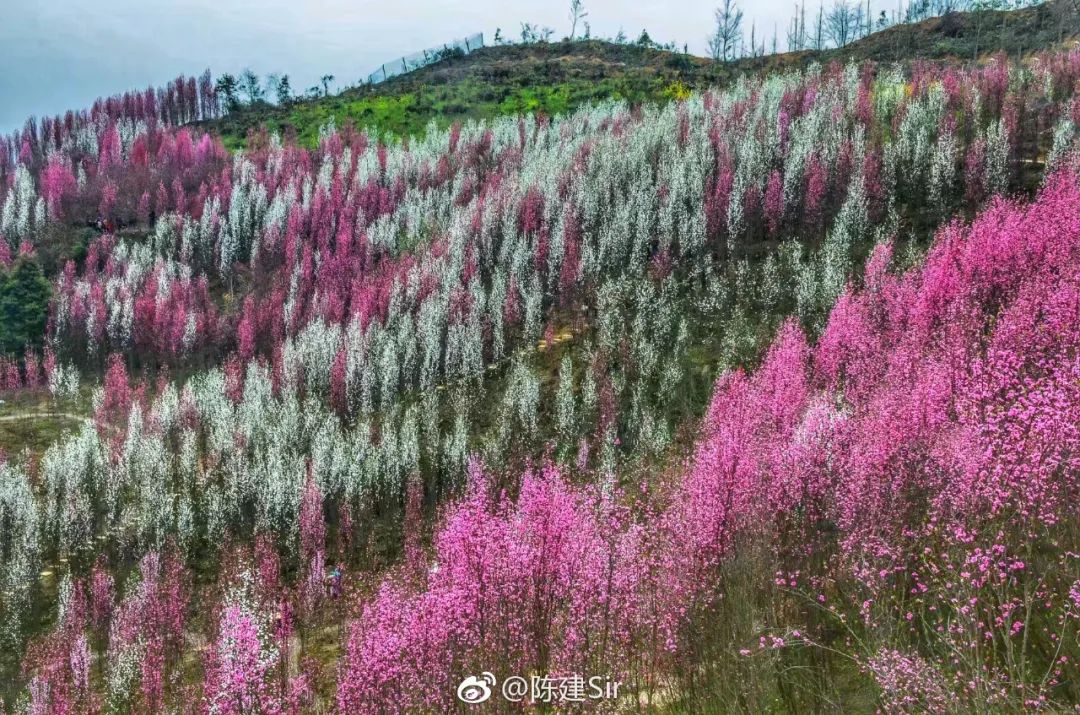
62 54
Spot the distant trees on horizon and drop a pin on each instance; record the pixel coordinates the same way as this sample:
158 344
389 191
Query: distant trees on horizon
188 99
835 25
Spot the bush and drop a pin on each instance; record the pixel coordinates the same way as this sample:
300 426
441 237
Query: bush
24 306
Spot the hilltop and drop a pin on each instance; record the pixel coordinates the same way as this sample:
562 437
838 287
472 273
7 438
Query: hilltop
557 77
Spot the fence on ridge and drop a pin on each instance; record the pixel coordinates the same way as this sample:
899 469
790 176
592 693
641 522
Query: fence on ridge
416 60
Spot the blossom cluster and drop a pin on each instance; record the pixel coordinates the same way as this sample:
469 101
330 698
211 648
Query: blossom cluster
515 320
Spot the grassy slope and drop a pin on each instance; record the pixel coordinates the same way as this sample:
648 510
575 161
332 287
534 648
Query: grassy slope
559 77
30 420
551 78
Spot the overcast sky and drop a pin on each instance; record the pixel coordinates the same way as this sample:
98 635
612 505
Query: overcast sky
61 54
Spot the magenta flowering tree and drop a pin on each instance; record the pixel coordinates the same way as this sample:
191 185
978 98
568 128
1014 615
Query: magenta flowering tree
885 491
312 542
240 667
57 182
102 593
117 395
312 519
145 632
519 585
243 668
939 407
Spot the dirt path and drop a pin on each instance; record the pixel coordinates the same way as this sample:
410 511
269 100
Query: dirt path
44 415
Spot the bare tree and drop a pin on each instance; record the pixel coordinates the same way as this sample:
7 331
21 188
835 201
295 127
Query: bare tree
917 10
843 22
251 86
283 90
326 79
818 41
1067 13
944 7
802 26
796 34
577 14
279 87
532 34
978 7
724 41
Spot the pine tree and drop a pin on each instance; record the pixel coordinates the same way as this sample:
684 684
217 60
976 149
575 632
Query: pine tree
226 88
24 305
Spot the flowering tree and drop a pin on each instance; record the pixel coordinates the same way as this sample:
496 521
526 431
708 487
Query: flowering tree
296 353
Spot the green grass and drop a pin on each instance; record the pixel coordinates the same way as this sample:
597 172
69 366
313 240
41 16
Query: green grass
35 434
499 84
556 78
31 421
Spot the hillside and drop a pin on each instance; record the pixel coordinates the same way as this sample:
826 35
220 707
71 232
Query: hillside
761 401
554 78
